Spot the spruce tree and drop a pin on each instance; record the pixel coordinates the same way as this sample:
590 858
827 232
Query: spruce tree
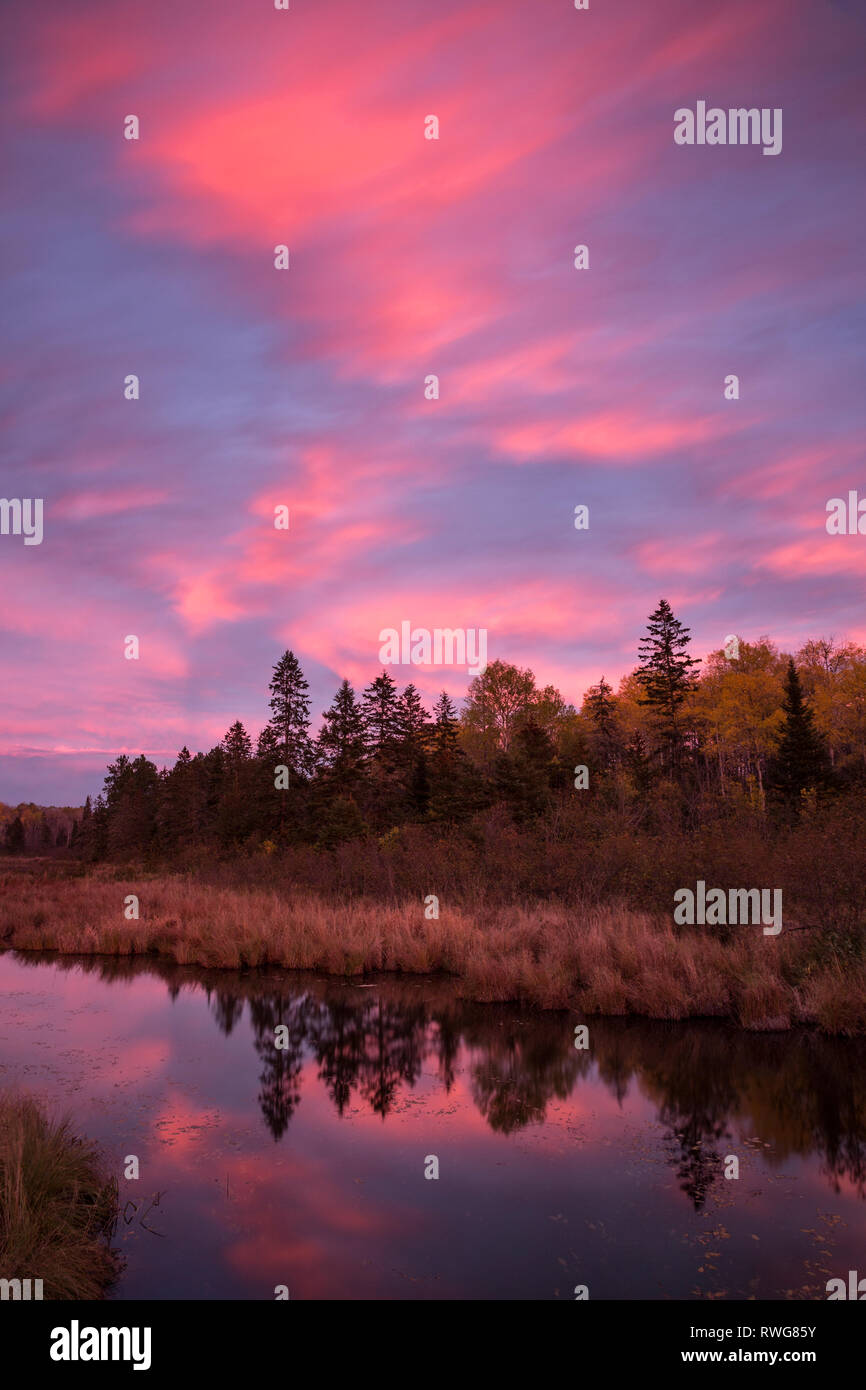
238 745
266 744
665 675
15 836
418 787
340 744
380 708
801 761
413 722
236 816
445 727
339 820
290 715
82 832
600 708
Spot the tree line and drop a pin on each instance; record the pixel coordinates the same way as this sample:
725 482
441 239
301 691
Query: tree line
766 731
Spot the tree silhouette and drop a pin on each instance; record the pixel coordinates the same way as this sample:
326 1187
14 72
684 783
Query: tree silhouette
802 761
665 674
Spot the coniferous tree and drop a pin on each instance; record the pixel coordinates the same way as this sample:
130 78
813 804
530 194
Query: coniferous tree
269 804
97 848
15 836
801 761
453 782
81 831
340 819
599 706
413 726
340 744
638 763
132 788
524 774
180 816
665 675
418 791
266 744
380 709
413 723
237 745
290 715
291 745
237 810
446 726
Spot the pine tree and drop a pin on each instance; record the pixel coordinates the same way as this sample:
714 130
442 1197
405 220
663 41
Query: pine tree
339 820
181 811
445 727
340 744
600 708
638 763
802 761
94 841
82 835
454 793
525 774
413 721
380 709
290 715
15 836
237 812
665 675
419 786
266 744
131 800
238 745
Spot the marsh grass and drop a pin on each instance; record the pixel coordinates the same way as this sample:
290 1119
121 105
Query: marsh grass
57 1207
598 959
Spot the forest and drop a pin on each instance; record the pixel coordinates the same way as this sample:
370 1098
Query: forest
765 735
765 743
532 849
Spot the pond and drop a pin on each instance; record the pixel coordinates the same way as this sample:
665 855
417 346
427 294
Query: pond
306 1166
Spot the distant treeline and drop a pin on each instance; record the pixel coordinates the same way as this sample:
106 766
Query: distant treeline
31 829
759 734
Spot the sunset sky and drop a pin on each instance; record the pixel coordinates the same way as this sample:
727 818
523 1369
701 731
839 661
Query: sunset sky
410 257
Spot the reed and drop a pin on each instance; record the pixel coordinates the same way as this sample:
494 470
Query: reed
598 959
57 1206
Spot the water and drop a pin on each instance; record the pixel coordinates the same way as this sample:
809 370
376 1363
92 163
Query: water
557 1168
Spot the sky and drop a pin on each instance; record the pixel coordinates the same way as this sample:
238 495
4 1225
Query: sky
411 257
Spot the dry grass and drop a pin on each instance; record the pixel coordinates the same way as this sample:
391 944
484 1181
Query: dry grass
601 960
56 1207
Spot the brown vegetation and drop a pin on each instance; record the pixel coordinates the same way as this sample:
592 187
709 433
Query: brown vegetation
595 958
56 1206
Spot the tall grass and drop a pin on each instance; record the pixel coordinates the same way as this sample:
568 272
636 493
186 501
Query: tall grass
57 1207
600 959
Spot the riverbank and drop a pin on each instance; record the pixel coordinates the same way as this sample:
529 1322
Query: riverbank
591 958
57 1205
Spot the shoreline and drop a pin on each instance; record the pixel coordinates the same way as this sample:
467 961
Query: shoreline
608 960
59 1206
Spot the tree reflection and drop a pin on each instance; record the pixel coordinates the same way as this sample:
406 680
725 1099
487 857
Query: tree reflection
714 1088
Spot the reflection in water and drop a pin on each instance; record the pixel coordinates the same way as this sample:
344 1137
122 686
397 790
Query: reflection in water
803 1094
